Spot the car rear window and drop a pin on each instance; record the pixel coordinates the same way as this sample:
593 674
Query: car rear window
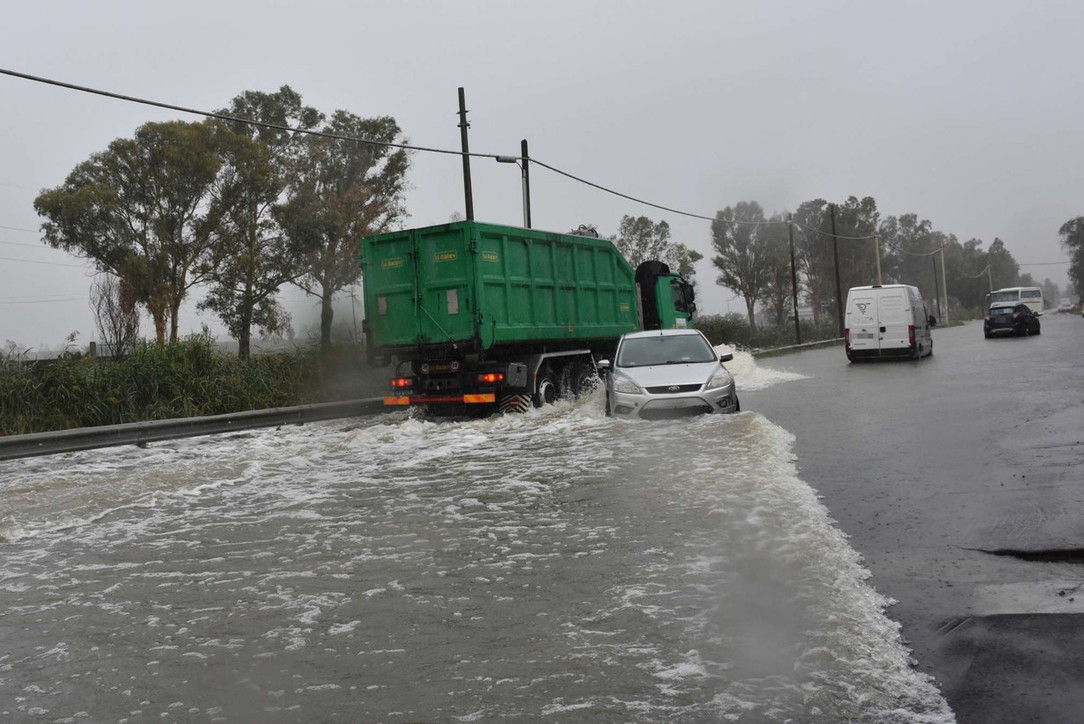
1000 311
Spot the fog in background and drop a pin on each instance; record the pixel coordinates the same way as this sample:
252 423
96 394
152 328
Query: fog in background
968 114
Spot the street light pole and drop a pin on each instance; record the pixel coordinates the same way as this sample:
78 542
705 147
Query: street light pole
522 161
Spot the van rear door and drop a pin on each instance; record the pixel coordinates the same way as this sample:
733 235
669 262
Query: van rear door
894 309
862 321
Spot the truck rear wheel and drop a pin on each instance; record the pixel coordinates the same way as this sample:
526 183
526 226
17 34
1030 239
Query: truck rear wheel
577 380
547 391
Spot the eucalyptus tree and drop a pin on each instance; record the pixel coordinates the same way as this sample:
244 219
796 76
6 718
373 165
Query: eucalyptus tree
1072 240
856 226
779 287
349 183
814 251
907 246
640 239
139 210
743 248
252 257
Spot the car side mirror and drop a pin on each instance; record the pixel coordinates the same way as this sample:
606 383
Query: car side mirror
932 320
726 357
603 364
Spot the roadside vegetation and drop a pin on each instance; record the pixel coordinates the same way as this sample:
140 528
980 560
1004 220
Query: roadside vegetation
734 331
187 378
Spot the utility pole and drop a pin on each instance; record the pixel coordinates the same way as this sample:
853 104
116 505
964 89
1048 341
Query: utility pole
835 258
877 250
944 281
794 282
523 159
936 286
463 126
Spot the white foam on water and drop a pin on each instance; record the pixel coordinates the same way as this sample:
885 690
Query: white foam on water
750 374
684 564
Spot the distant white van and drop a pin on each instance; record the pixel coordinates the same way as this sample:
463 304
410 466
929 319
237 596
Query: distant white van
887 320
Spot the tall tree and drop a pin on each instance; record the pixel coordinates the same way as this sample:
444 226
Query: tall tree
856 226
814 251
743 249
139 210
640 239
1072 239
252 256
778 291
1005 270
343 189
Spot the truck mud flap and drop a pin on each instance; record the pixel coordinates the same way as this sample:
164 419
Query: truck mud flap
514 403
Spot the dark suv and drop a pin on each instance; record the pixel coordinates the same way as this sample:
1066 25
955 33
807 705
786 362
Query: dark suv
1010 318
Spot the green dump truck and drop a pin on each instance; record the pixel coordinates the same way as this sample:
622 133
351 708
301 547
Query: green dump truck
479 317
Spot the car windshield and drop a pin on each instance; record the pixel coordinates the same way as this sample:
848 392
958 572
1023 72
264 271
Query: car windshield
663 349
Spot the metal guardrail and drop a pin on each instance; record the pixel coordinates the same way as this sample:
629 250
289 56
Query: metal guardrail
773 351
137 433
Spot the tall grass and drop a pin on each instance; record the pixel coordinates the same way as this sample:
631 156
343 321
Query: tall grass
183 379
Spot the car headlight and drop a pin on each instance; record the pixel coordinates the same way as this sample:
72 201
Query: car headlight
721 378
626 386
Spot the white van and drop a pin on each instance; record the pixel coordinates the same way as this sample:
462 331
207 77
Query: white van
887 320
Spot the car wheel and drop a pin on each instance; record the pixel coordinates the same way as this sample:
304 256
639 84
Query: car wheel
986 334
609 412
737 404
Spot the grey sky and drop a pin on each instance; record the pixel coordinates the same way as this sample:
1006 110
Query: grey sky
969 114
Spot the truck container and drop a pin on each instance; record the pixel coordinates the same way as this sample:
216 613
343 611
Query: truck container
480 317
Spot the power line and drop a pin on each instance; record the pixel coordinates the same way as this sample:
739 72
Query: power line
324 134
19 228
224 117
17 186
48 263
44 301
827 233
926 253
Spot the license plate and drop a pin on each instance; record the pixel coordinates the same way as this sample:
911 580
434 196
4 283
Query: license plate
864 335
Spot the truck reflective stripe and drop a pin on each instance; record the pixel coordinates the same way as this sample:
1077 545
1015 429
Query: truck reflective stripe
487 397
396 400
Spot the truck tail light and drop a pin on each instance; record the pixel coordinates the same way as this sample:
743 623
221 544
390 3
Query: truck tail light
399 383
911 334
847 336
490 377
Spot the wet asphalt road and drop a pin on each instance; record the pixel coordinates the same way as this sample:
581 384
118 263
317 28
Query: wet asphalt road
959 479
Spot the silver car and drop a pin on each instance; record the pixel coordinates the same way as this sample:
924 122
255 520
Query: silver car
667 373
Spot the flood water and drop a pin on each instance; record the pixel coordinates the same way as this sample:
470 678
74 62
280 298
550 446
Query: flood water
558 566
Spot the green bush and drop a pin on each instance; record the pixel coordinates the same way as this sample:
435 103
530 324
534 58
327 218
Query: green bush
184 379
735 331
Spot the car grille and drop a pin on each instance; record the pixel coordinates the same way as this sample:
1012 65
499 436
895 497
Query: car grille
672 389
672 413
